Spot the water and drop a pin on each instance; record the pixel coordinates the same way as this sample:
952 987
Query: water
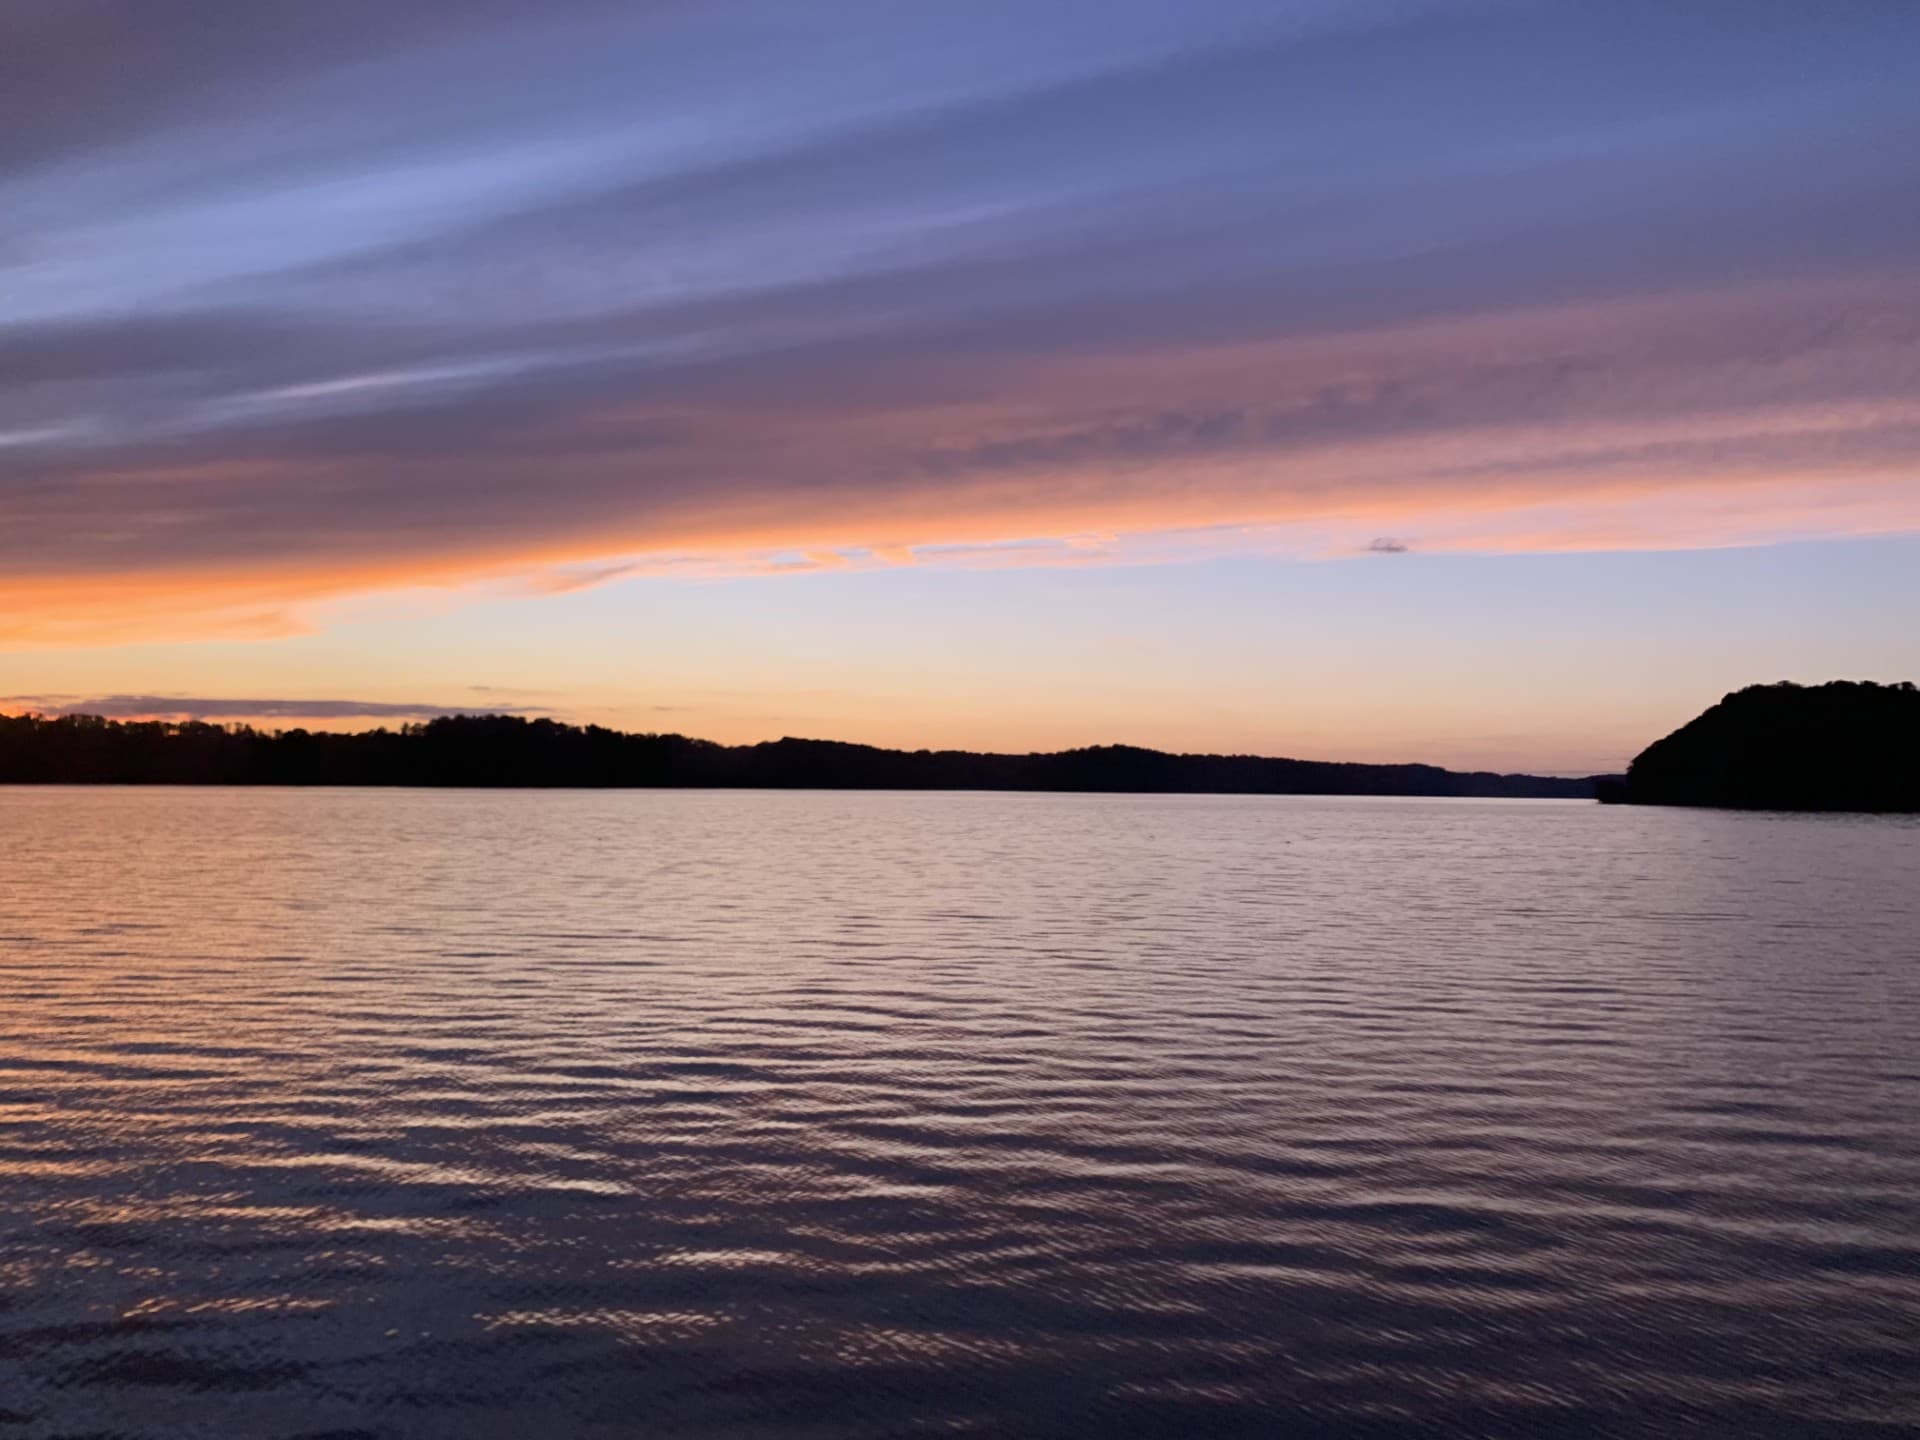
467 1115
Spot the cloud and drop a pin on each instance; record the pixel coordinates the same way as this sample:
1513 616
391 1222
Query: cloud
316 301
180 707
1386 545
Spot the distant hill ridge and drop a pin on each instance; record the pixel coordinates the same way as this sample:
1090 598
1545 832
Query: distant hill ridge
1845 745
500 750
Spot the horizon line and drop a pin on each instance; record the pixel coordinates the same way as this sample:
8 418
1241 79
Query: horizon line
420 719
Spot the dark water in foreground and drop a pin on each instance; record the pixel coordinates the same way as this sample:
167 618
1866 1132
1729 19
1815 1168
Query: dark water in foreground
707 1114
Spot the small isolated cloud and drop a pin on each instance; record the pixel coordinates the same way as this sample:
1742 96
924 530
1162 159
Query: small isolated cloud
122 707
1387 545
564 580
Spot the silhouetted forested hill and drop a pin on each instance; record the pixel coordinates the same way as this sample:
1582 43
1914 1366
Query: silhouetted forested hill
1842 746
496 750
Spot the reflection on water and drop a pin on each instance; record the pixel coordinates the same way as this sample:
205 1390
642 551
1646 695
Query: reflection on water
473 1115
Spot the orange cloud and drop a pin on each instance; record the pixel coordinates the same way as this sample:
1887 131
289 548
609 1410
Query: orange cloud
1735 418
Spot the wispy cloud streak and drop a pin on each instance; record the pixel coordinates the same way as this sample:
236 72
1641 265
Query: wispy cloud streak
611 290
180 707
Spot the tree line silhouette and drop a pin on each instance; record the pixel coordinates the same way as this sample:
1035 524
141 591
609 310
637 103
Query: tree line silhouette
504 750
1845 745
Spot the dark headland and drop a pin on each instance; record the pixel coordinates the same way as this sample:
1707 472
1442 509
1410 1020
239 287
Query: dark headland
500 751
1847 745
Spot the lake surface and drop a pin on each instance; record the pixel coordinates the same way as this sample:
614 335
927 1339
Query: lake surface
457 1114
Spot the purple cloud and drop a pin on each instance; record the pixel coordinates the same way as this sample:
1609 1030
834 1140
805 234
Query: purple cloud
429 287
203 708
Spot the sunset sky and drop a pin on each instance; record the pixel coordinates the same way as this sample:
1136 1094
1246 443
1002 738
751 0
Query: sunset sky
1487 382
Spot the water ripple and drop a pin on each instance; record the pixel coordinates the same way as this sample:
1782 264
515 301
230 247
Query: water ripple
469 1115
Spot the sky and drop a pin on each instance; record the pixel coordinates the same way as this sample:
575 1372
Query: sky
1488 382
